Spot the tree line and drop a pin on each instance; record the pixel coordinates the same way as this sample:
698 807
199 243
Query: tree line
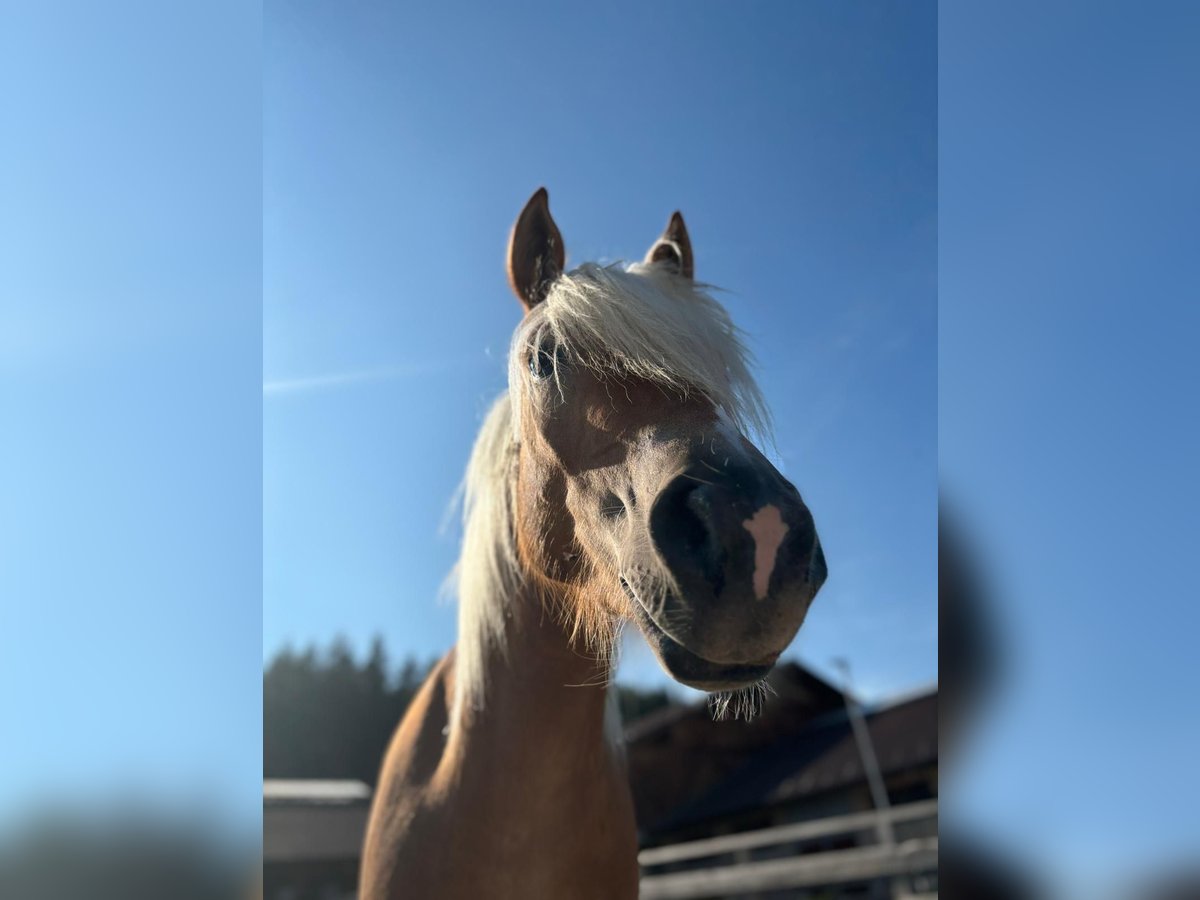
328 715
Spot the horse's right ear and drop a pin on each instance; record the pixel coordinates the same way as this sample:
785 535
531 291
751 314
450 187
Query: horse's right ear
674 249
535 251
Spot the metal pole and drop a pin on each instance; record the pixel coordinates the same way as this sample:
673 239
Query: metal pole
862 737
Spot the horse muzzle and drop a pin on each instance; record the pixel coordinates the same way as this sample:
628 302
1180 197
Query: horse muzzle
745 563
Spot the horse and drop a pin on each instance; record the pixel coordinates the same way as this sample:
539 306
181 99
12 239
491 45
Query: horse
613 483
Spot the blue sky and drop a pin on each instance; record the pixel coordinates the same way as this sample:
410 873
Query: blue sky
401 140
1070 206
130 356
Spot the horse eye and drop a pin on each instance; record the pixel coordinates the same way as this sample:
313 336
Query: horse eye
542 362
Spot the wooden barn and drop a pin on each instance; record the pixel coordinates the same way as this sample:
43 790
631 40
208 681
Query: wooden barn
781 806
312 838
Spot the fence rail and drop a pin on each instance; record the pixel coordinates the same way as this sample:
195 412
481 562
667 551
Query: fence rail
803 870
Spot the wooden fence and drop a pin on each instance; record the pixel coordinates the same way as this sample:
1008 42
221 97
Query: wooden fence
798 870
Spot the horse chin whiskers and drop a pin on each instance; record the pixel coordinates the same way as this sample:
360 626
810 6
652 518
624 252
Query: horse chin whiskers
743 703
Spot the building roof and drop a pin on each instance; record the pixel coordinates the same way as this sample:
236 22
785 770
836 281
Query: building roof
821 757
676 755
314 790
312 820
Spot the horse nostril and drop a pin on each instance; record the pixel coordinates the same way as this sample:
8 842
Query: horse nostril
692 521
680 525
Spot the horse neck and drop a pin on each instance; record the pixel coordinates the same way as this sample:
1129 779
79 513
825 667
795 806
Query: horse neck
545 800
540 688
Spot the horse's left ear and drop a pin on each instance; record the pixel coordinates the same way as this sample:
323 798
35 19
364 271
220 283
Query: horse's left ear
674 248
535 251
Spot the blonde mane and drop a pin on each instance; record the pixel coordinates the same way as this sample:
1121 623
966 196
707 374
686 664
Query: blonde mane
643 321
638 320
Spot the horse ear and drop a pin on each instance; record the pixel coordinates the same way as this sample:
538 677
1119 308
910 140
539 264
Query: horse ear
674 248
535 251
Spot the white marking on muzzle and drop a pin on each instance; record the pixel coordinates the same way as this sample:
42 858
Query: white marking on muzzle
767 529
